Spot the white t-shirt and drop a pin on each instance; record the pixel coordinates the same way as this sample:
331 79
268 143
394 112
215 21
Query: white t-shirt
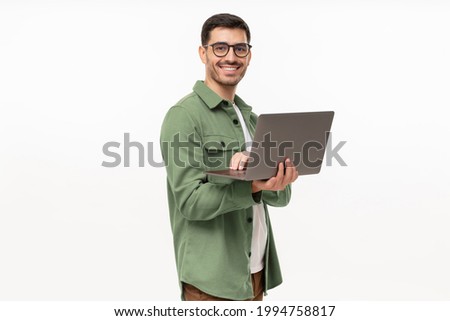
259 236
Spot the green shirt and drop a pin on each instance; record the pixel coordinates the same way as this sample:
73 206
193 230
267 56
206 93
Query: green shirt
211 217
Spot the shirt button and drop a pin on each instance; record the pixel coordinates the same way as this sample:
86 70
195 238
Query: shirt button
235 121
222 143
249 220
249 254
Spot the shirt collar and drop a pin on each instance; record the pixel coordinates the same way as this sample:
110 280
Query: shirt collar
212 100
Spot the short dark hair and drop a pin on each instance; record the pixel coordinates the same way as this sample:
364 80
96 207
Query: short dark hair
224 20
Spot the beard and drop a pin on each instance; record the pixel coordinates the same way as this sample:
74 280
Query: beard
216 74
227 81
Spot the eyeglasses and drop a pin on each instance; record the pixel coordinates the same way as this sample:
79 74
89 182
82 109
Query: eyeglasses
221 49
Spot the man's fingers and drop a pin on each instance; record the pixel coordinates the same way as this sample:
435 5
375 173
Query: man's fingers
280 172
234 164
269 184
289 175
282 179
280 175
238 161
243 162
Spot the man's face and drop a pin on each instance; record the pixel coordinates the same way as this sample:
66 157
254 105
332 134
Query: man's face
227 70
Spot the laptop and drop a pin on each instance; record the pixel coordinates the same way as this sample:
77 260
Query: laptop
301 137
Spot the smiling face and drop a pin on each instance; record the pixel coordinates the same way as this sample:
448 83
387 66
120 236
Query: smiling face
224 73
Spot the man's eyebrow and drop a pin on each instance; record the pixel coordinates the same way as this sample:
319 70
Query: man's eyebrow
226 43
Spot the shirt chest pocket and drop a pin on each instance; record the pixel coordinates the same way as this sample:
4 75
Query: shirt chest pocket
218 150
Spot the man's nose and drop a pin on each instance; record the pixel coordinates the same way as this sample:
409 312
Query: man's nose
231 56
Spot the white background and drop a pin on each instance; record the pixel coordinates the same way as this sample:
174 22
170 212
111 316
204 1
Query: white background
77 74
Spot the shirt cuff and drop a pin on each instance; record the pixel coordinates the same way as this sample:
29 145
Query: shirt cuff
242 194
257 196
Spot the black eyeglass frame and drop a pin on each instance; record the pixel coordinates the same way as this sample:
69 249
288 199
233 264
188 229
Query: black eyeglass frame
228 50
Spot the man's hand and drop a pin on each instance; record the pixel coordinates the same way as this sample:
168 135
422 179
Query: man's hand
239 160
278 182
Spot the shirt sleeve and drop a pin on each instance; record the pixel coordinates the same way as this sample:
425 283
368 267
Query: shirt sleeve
277 198
182 152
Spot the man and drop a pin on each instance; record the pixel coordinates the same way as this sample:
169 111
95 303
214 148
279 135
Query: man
224 247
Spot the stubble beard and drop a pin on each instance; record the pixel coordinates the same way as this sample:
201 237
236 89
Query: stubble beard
226 82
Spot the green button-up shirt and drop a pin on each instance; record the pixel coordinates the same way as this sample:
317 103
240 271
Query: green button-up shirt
211 217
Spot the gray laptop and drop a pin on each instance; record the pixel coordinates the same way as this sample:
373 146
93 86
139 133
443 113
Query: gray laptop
301 137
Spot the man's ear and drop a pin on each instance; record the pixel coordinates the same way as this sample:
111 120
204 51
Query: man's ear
249 58
202 53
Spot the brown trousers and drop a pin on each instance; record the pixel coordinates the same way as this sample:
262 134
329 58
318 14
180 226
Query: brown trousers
191 293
